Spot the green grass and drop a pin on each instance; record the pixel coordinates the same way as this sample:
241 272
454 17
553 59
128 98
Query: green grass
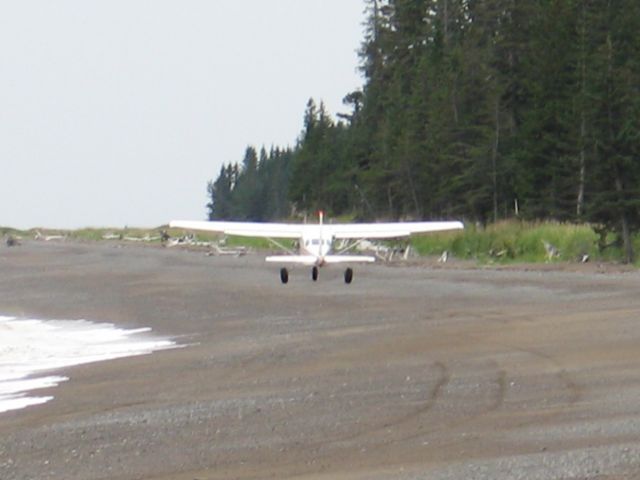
12 231
91 233
254 243
503 242
95 234
513 241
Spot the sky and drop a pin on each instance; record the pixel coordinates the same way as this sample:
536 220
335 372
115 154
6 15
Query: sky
117 113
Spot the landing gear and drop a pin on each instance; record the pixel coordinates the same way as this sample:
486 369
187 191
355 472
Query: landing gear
348 275
284 275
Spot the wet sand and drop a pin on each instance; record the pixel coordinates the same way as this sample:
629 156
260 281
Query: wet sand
411 372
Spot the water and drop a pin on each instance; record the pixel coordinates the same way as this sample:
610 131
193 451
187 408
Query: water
31 348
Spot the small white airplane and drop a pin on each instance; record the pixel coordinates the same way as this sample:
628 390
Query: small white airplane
316 240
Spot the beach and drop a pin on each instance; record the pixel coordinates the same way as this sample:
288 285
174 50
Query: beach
410 372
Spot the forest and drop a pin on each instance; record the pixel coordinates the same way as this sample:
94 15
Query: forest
479 110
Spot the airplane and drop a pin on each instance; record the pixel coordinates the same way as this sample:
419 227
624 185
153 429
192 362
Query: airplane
316 241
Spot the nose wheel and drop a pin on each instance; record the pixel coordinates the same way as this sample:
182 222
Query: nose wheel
348 275
284 275
314 274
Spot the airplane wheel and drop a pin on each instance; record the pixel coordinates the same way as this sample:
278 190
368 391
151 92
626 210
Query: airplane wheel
314 274
348 275
284 275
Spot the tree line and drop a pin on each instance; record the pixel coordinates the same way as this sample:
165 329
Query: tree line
473 109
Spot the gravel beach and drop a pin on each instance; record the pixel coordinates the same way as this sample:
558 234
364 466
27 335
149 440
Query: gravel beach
411 372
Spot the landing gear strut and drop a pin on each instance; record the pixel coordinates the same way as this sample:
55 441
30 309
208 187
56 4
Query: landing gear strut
348 275
284 275
314 273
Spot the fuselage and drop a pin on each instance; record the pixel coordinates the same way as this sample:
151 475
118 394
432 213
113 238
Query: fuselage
315 244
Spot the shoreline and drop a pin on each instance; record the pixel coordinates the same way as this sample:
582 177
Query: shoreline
408 372
432 262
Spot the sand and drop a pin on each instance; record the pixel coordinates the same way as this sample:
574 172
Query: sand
410 372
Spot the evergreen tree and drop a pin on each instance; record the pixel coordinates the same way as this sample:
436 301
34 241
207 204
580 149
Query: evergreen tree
615 174
219 191
467 107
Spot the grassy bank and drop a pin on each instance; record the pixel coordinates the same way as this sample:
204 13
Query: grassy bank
503 242
508 242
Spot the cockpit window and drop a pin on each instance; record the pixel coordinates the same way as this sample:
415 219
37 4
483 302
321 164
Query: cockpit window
317 241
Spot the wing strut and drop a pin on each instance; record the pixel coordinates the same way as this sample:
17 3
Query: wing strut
350 246
279 245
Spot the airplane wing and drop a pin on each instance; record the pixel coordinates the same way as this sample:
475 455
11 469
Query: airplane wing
243 229
296 230
387 230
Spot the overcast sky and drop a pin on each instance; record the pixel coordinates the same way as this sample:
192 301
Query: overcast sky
117 113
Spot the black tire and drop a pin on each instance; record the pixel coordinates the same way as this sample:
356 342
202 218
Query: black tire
284 275
314 274
348 275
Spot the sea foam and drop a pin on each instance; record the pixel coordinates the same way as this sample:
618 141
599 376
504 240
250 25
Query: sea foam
29 348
